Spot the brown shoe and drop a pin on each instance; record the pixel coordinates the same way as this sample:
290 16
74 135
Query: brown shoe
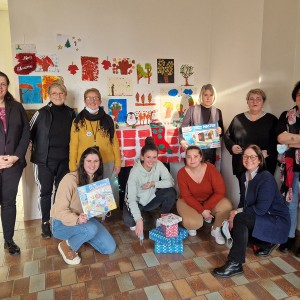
70 256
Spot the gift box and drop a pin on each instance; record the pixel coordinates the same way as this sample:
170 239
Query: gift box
164 249
157 235
169 224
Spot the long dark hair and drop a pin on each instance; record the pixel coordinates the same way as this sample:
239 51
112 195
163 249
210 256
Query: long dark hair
262 162
83 177
8 96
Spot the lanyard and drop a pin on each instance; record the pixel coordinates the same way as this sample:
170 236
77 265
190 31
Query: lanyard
94 132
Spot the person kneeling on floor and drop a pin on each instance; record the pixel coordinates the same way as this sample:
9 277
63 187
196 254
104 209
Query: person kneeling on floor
69 223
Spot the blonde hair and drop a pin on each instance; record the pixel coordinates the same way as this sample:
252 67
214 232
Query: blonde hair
258 92
58 85
209 87
92 90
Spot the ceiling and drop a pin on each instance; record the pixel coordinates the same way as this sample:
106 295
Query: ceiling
3 4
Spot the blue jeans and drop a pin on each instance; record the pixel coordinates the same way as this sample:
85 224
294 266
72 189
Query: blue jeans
92 232
293 206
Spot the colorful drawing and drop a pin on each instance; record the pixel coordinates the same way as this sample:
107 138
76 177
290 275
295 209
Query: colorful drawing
169 107
46 81
131 119
165 70
123 66
90 69
143 73
106 64
68 43
143 117
73 69
30 88
118 109
46 63
144 100
25 48
186 72
119 86
26 63
158 133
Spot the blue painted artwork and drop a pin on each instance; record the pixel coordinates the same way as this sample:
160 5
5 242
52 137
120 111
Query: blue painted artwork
188 91
117 108
173 92
30 88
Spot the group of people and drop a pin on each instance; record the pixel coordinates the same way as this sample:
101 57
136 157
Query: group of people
70 151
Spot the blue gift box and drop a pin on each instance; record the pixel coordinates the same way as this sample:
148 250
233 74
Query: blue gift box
164 249
157 235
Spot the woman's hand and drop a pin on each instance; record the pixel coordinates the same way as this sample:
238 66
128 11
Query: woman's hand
117 170
148 185
219 130
236 149
207 214
139 227
184 144
231 217
82 219
7 161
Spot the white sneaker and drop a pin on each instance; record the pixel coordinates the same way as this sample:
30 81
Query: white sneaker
132 228
70 256
192 232
216 233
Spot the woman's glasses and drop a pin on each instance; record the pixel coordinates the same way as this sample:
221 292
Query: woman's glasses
252 157
90 99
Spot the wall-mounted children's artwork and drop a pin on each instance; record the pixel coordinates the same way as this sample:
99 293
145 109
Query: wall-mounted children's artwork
46 63
73 69
142 72
186 72
119 86
123 66
131 119
68 43
106 64
144 99
165 70
26 63
46 81
143 117
90 70
117 108
30 88
25 48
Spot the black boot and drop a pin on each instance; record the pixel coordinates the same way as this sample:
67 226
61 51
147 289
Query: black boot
264 252
46 231
287 246
231 268
12 248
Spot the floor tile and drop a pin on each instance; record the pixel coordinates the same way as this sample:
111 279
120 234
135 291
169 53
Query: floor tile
124 282
153 293
168 291
37 283
94 289
183 289
273 289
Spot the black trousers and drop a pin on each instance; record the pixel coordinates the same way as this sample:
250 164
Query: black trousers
47 176
9 182
243 225
165 199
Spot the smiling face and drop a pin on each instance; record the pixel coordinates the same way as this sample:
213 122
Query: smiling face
149 159
92 100
207 98
91 164
255 103
193 158
57 95
250 160
3 87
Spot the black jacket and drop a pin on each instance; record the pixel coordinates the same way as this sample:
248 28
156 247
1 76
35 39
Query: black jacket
40 125
16 140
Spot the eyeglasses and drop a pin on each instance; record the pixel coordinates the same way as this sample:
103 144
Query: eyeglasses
3 84
57 94
252 157
258 100
90 99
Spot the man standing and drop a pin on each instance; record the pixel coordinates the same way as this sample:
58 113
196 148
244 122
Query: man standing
50 136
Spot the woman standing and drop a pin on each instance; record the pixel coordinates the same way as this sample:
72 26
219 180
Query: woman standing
14 140
288 133
204 113
262 214
252 127
70 224
149 186
94 127
202 195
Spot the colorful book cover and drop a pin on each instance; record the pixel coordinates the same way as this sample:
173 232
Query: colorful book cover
97 198
205 136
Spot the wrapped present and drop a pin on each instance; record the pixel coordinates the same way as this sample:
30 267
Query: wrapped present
162 248
169 224
157 235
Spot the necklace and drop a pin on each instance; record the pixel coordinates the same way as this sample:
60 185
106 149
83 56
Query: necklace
95 132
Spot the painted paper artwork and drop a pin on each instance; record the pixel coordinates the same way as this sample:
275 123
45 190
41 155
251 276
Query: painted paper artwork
90 69
144 117
68 43
144 72
25 48
165 70
30 88
46 81
117 108
106 64
144 99
119 86
26 63
186 71
123 66
73 69
47 63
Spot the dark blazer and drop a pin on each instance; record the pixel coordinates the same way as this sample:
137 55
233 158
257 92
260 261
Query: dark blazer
272 222
16 140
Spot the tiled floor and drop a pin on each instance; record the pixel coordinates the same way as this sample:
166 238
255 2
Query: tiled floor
135 272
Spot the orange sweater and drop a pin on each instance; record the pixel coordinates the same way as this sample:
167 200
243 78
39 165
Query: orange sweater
203 195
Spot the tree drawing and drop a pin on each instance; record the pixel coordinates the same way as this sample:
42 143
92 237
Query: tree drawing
186 71
143 99
169 108
165 68
67 44
125 66
26 87
149 98
179 108
191 101
137 97
141 73
115 109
